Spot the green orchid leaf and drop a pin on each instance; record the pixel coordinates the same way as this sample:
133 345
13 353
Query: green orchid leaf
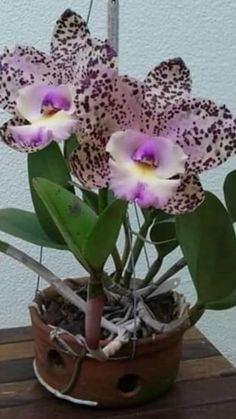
91 199
164 234
110 196
157 215
162 216
208 242
230 194
102 238
73 217
25 226
48 163
69 146
224 304
146 213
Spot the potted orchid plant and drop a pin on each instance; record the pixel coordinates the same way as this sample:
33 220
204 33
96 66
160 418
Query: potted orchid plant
103 148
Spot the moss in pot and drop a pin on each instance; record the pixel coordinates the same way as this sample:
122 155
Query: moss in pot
136 149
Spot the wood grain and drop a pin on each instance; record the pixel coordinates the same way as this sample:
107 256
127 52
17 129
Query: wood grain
20 350
15 334
195 369
205 387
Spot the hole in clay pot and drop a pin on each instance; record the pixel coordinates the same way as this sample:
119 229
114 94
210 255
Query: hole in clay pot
55 359
129 385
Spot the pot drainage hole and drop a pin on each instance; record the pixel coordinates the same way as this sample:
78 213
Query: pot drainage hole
55 359
129 385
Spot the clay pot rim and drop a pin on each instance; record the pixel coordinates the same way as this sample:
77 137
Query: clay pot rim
162 338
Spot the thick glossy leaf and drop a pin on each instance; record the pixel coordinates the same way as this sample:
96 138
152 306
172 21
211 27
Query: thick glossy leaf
165 235
110 196
73 218
50 164
230 194
208 242
25 225
163 216
91 199
156 215
69 146
102 238
146 213
225 303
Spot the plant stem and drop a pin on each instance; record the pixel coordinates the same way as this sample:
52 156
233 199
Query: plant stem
62 289
195 313
102 204
180 264
95 305
137 248
118 264
154 269
102 199
126 251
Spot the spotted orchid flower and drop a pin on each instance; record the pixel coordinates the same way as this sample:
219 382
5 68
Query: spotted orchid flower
143 168
49 112
156 123
112 103
41 90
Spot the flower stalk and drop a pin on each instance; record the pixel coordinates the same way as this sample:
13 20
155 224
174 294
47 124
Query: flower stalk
137 249
154 269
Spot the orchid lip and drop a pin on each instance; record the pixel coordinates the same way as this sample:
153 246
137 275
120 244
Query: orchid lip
142 168
38 100
145 154
146 161
52 102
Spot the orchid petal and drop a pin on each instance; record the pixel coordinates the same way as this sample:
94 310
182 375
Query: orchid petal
26 138
32 137
123 144
75 51
171 158
164 85
206 132
22 67
90 165
146 190
188 196
124 107
109 99
6 135
61 125
169 79
31 100
168 156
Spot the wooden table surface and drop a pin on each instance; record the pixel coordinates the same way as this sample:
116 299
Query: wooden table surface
205 388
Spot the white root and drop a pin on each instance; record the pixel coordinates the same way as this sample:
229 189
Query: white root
148 317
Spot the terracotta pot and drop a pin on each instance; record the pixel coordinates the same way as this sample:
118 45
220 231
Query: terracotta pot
119 382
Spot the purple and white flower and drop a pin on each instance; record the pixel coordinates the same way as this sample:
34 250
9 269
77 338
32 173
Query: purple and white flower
49 112
41 90
143 168
161 111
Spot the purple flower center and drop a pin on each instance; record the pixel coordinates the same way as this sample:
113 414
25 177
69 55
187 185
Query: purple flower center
146 154
53 102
